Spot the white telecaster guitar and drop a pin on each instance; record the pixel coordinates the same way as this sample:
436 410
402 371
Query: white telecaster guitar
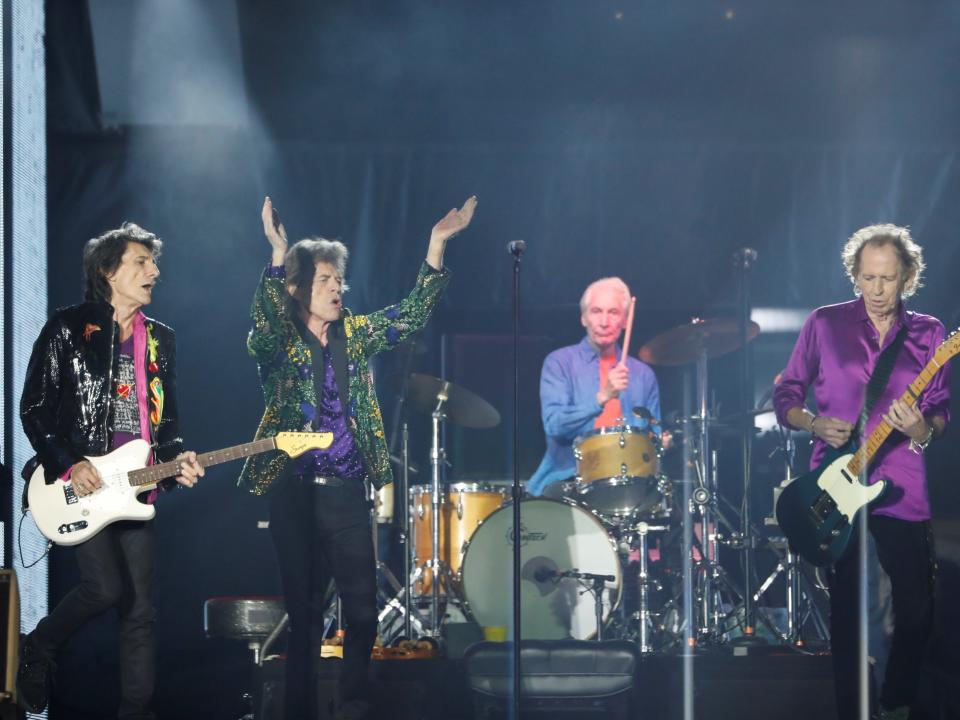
68 519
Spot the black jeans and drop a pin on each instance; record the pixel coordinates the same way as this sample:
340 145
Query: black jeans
323 532
905 551
116 570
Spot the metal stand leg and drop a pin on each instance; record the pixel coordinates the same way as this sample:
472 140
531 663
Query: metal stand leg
800 605
436 456
643 576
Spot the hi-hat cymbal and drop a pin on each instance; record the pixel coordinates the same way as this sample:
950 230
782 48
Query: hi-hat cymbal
684 343
462 407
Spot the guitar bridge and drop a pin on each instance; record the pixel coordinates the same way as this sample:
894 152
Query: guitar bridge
824 506
839 527
69 495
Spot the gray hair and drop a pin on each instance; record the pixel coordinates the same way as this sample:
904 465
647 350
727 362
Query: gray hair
910 254
612 283
300 264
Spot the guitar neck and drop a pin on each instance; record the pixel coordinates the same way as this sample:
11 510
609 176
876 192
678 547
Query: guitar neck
861 460
155 473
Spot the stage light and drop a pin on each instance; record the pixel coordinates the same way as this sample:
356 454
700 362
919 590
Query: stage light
778 319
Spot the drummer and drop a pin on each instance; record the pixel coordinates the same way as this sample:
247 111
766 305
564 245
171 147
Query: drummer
585 387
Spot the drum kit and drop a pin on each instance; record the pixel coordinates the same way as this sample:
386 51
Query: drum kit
603 560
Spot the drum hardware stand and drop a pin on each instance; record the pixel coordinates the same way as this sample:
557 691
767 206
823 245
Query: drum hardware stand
743 260
800 605
704 463
596 585
643 576
711 576
441 572
401 601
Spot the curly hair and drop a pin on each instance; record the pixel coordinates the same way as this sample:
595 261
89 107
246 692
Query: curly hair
910 254
102 256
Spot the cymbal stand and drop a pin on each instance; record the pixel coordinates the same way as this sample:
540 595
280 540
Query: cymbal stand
437 457
712 579
743 260
405 531
702 499
401 601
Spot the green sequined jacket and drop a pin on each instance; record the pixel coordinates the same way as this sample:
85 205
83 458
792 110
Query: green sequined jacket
284 362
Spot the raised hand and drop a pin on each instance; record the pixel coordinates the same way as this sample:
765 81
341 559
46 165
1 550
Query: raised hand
454 221
275 232
449 225
617 381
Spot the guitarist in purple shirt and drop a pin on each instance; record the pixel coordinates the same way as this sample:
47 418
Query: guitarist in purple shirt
835 356
101 374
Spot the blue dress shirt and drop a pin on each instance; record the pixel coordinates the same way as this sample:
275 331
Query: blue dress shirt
569 383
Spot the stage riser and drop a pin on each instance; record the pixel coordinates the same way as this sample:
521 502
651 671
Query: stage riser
787 687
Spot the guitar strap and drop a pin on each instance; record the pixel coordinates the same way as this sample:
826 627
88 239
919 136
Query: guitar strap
880 377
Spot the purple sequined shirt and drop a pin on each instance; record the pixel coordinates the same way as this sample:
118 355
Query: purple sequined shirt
835 354
342 459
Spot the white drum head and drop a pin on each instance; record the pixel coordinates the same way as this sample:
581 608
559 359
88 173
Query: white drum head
555 536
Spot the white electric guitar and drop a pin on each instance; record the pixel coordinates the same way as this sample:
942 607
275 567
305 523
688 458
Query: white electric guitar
68 519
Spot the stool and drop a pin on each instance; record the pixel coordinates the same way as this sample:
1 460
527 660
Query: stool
253 619
558 677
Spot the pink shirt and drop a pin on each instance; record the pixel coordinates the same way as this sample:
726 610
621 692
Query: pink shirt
835 355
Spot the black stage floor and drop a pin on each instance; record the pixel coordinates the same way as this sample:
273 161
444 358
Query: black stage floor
767 683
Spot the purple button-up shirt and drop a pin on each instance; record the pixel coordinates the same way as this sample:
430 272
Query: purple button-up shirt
342 459
835 354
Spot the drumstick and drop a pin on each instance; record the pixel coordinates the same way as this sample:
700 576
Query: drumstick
626 335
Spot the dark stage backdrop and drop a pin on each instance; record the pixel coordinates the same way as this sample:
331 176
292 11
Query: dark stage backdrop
663 203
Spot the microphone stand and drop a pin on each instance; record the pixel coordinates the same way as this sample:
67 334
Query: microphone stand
516 248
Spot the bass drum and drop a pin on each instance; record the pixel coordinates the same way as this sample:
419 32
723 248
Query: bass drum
555 535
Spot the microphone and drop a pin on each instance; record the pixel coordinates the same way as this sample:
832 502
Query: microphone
544 573
516 247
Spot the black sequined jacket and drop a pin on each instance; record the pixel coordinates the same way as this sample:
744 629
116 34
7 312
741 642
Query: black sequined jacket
67 395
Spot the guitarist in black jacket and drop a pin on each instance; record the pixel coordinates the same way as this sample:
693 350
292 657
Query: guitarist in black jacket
102 374
835 356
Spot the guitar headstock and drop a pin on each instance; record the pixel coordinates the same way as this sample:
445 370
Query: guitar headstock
948 348
297 443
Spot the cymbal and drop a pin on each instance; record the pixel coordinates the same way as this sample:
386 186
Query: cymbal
684 343
462 407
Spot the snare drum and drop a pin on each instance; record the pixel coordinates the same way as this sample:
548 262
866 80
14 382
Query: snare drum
617 471
555 535
463 506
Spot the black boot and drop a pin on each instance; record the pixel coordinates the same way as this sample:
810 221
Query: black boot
33 676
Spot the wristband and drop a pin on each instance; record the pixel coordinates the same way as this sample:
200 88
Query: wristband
919 447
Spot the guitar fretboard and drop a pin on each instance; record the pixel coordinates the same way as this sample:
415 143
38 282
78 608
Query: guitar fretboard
864 456
156 473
